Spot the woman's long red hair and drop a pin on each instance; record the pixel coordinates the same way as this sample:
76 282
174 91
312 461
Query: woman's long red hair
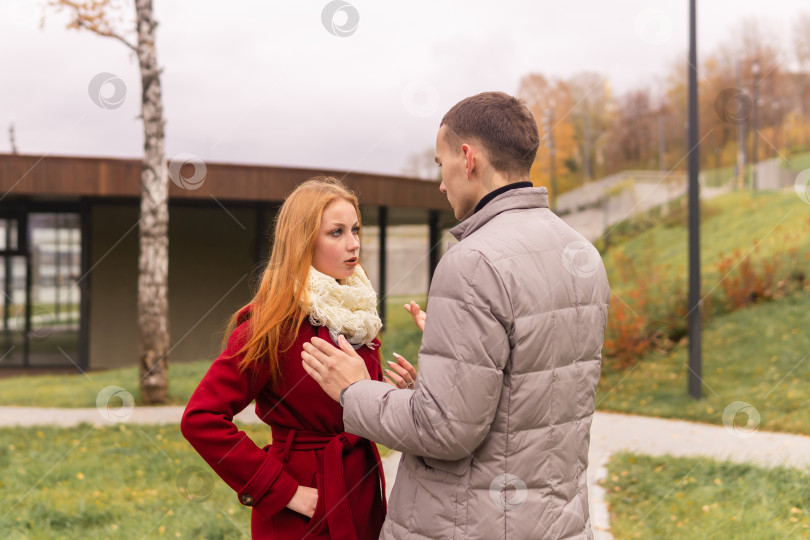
276 314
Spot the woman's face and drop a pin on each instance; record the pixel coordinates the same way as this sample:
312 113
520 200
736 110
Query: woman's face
337 246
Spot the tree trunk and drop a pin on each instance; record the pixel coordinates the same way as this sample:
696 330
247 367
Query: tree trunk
153 261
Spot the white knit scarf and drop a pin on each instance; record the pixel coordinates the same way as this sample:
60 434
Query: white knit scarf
348 308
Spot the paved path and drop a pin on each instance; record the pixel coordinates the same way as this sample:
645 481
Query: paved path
613 432
610 433
32 416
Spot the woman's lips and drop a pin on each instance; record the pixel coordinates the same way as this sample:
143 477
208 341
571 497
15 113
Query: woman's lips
351 262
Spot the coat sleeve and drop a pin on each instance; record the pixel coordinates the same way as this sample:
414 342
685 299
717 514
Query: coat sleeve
464 351
208 426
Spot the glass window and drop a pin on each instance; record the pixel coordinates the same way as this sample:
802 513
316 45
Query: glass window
9 234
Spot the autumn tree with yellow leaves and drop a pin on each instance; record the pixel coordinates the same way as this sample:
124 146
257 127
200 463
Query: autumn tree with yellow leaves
596 134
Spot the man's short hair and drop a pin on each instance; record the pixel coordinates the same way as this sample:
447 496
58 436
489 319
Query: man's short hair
502 124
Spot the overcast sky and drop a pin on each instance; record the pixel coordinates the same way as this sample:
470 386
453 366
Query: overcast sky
271 83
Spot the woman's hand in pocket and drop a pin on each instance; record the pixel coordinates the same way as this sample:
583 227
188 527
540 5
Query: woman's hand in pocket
402 374
417 314
304 501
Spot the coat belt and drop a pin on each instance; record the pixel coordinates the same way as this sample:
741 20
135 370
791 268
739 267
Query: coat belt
336 498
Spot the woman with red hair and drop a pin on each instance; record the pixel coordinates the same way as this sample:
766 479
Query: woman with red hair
314 480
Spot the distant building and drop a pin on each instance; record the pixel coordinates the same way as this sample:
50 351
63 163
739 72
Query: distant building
69 252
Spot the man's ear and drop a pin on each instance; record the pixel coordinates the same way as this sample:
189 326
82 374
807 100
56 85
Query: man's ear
469 158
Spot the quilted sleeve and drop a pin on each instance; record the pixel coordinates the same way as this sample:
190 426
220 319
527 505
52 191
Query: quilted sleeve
464 350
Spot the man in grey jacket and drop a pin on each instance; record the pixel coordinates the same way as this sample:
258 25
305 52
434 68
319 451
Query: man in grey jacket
495 432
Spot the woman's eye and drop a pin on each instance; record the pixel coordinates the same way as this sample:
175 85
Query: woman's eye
336 232
356 230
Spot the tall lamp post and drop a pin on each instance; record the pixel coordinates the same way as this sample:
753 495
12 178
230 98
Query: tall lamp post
742 147
775 108
754 119
551 152
695 361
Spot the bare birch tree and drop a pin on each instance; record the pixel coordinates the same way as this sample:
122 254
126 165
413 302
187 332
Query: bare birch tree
108 18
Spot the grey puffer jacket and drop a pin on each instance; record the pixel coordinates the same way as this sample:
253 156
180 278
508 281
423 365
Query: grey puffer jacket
495 434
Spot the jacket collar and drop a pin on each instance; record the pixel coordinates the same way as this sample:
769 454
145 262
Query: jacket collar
503 189
528 197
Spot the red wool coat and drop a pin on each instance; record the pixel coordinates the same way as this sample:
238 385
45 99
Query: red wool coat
309 446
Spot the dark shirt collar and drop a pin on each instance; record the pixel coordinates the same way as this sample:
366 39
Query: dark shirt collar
503 189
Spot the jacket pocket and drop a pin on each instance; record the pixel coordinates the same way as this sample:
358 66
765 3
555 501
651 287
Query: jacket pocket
317 523
458 467
449 481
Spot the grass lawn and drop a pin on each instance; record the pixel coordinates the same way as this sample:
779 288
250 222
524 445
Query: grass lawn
123 481
720 176
665 497
399 335
799 162
755 355
81 390
758 355
773 221
113 482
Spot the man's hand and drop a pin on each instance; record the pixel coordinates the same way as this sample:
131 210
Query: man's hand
417 314
334 369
